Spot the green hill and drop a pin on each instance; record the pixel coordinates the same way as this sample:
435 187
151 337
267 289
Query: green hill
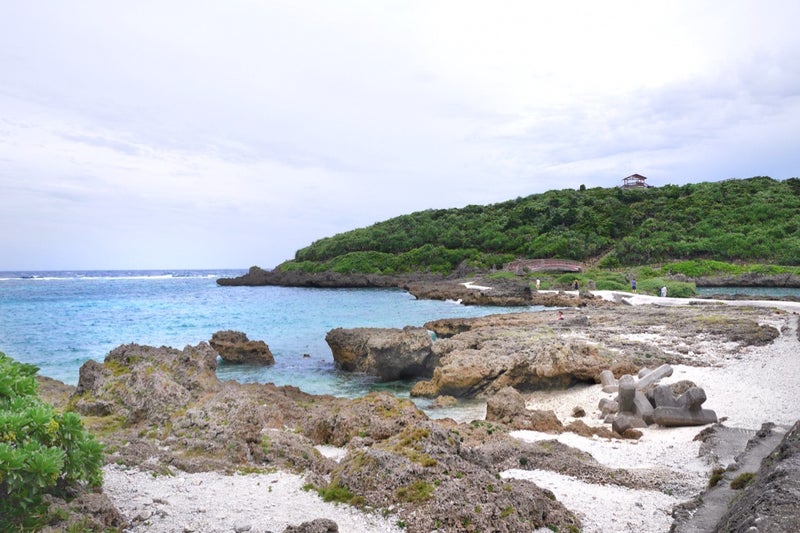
755 220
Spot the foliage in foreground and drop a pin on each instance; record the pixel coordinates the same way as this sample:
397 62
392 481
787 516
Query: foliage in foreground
41 451
754 220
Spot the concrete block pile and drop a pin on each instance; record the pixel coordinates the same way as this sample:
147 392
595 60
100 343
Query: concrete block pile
641 401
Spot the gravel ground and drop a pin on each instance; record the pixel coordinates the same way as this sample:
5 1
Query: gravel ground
210 502
758 385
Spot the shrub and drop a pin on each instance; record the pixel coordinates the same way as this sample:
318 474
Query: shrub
609 281
364 262
716 477
508 511
502 275
41 451
416 492
336 492
610 285
675 289
697 268
742 480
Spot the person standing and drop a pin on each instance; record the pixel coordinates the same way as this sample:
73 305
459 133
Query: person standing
538 282
664 291
633 285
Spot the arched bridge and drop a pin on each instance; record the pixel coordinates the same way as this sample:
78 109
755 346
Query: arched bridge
544 265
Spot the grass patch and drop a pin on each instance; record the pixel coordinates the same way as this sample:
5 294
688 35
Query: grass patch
418 491
410 446
503 274
742 480
716 477
337 493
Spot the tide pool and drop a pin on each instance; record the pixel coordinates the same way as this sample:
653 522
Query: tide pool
59 320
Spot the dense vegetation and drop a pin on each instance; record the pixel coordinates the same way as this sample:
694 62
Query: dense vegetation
747 220
41 451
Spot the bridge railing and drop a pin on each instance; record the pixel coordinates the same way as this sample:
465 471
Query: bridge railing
533 265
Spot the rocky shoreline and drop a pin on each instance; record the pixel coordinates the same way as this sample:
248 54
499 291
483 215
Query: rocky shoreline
257 277
474 289
163 411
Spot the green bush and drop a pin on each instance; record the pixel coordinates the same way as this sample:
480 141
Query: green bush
418 491
609 281
565 281
742 480
675 289
697 268
41 451
364 262
502 275
645 272
611 285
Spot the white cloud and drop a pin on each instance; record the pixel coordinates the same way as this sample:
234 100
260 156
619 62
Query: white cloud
185 134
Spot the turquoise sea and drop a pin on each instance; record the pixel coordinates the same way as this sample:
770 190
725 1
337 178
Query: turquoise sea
754 292
59 320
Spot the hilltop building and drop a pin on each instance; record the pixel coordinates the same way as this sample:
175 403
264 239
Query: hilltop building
635 181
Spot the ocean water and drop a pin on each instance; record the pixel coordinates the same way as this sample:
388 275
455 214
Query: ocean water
755 292
59 320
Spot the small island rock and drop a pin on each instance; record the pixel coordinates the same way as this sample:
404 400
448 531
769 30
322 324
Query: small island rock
388 353
235 347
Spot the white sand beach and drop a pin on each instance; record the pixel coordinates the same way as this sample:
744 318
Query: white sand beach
757 385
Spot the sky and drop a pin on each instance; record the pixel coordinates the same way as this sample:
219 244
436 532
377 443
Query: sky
200 134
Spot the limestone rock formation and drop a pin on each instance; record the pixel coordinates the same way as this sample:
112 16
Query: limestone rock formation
484 360
146 383
759 491
88 512
505 292
771 501
388 353
318 525
376 416
256 276
447 476
167 410
235 347
508 407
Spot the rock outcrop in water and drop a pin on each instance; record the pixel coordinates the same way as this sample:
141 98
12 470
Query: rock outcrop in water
749 279
504 292
529 351
256 277
425 286
235 347
388 353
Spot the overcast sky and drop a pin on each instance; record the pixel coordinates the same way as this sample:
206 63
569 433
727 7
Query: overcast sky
199 134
